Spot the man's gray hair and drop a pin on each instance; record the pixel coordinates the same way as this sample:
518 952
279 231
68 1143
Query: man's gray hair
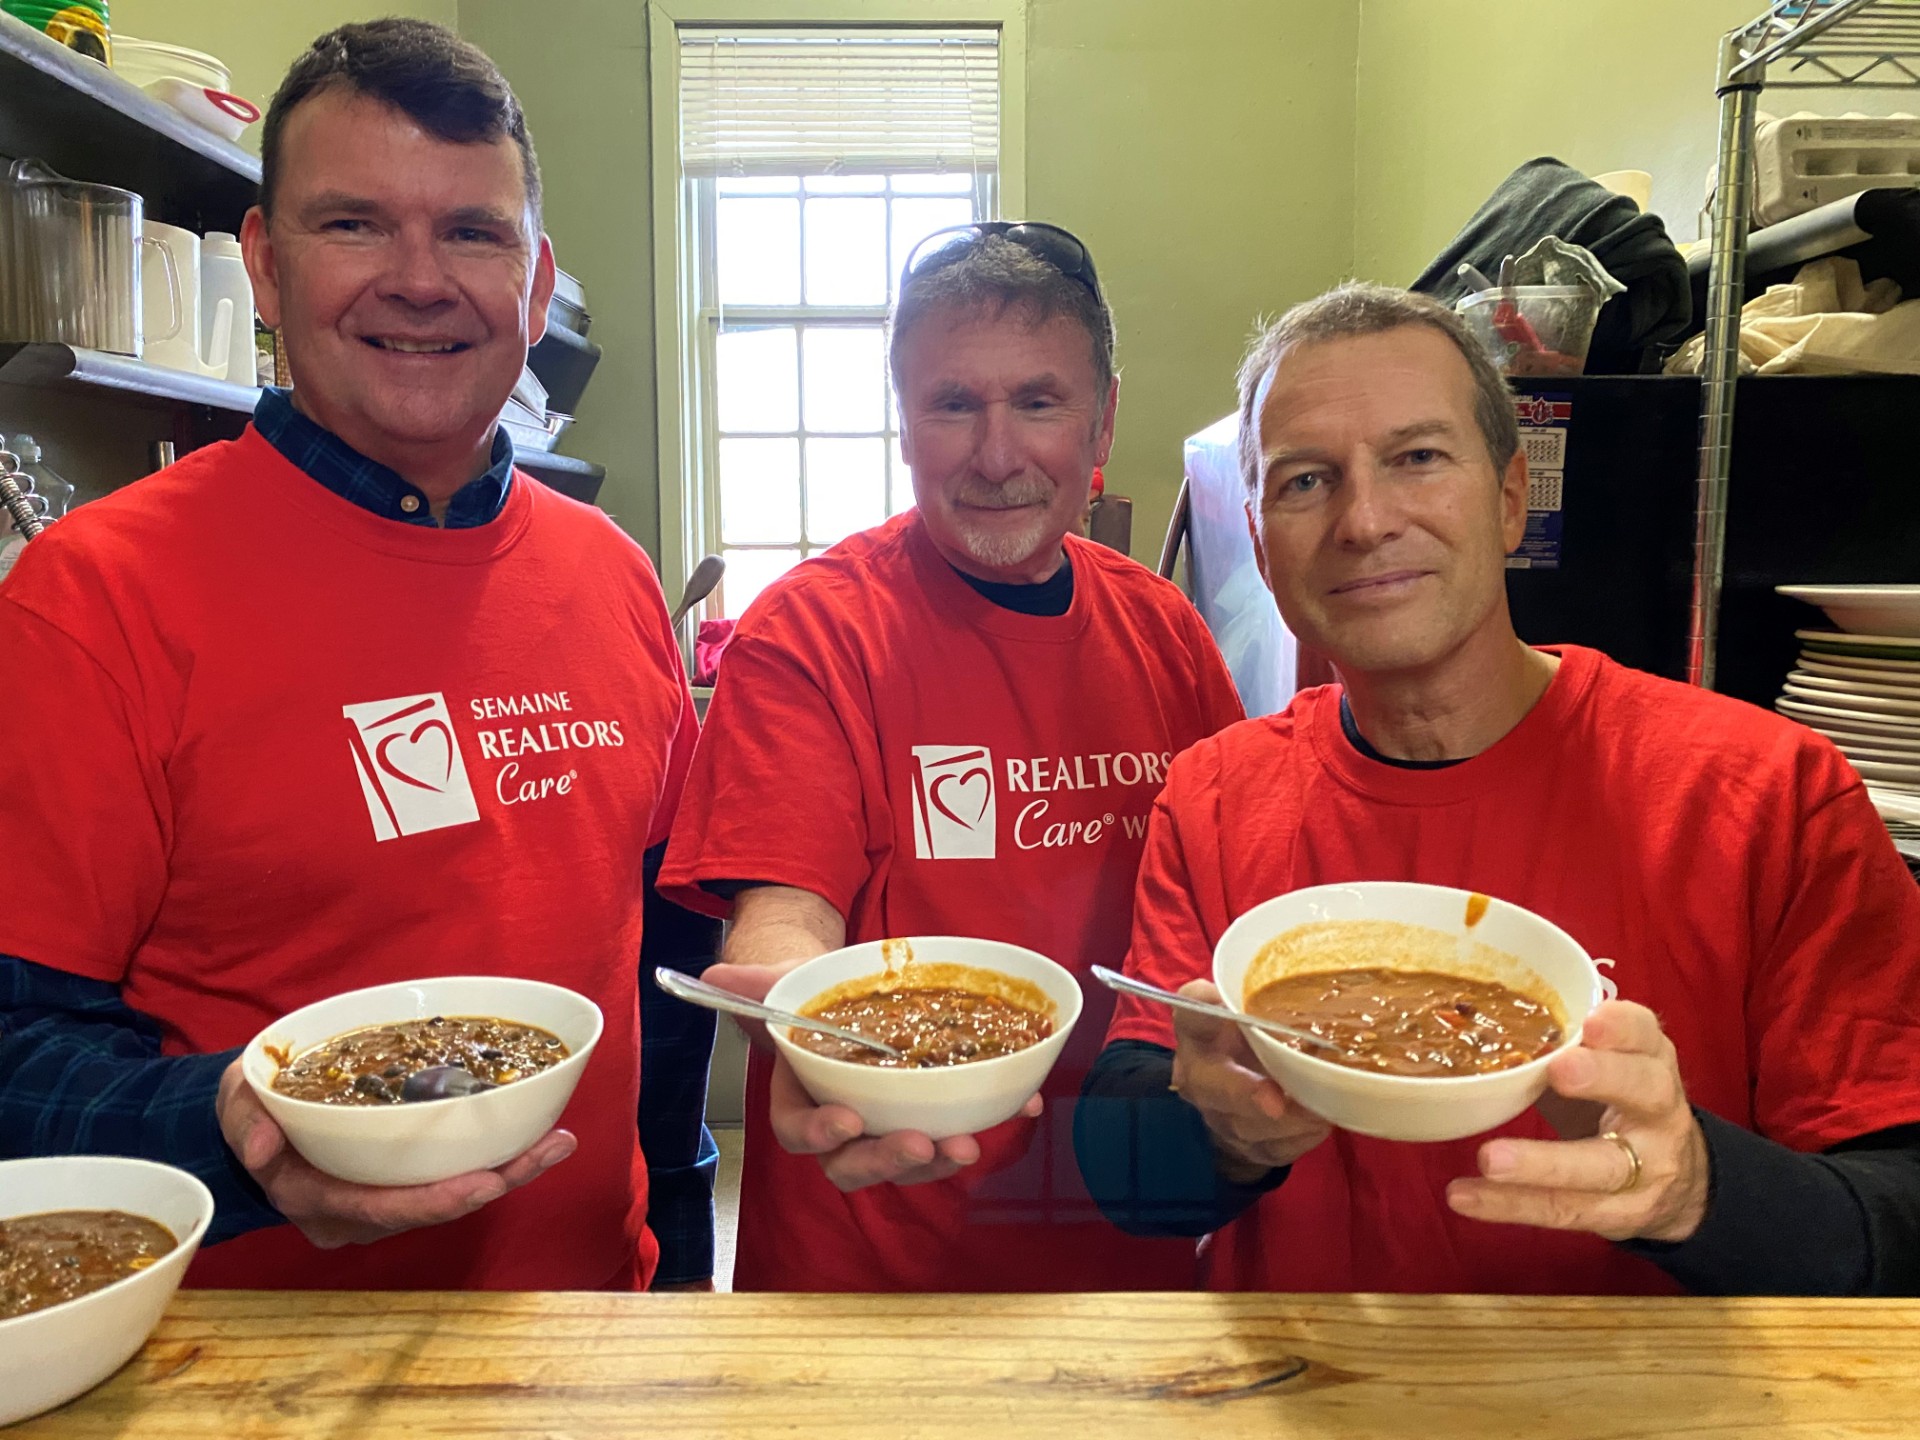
1356 309
992 274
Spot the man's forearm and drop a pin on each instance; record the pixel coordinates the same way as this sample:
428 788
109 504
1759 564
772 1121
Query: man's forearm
81 1073
1146 1155
1784 1223
778 926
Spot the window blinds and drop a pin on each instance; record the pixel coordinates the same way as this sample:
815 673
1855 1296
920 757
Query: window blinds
838 101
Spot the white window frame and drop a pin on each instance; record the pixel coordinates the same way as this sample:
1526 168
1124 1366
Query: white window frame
689 510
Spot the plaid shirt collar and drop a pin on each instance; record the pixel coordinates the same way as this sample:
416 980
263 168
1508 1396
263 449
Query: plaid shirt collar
367 483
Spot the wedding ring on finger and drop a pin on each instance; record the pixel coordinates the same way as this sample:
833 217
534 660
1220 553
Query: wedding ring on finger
1633 1160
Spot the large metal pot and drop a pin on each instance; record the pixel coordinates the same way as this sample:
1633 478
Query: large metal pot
70 261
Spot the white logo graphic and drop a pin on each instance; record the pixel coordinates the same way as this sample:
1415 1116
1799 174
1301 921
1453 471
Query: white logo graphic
410 766
953 815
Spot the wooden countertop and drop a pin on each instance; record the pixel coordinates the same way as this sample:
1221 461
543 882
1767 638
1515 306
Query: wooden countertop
244 1365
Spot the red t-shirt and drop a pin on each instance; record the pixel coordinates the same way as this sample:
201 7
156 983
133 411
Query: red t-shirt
930 764
285 748
1727 861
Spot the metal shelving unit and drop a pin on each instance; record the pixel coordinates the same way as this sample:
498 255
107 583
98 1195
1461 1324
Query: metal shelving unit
1800 45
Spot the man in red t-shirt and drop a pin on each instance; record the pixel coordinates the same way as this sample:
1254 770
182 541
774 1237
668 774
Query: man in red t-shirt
952 724
344 702
1743 1118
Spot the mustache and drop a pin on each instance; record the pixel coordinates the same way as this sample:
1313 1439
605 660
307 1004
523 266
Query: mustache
1014 495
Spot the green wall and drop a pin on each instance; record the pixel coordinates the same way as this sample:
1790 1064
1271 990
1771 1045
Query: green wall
1602 84
258 39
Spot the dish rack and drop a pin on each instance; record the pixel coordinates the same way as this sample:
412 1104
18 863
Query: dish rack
1795 45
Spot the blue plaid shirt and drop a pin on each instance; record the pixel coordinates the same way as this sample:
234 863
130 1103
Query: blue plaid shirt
81 1071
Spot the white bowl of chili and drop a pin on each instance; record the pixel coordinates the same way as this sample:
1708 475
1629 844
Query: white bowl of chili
1426 930
937 1099
50 1354
420 1143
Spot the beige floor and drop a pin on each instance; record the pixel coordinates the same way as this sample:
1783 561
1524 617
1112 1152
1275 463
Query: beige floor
726 1204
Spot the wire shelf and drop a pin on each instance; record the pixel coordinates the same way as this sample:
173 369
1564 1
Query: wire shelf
1811 44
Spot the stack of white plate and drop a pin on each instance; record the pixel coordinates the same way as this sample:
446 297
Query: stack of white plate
1863 693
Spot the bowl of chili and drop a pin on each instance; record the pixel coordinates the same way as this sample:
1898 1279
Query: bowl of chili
1447 1006
979 1025
92 1248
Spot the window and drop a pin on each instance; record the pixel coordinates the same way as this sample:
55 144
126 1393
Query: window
810 161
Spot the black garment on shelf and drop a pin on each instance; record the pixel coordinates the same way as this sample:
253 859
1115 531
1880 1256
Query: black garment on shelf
1546 197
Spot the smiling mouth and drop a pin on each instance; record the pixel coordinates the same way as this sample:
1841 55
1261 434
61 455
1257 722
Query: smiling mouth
401 346
1377 582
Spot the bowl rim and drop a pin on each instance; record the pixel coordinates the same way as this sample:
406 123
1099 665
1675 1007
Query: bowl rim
195 1233
1332 1068
257 1046
1062 1027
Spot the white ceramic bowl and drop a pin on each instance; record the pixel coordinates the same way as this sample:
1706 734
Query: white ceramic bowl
49 1356
953 1099
421 1143
1409 1107
1865 609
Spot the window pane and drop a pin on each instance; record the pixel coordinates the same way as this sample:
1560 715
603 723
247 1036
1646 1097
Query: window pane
749 572
846 487
758 246
846 252
759 379
846 184
757 184
900 492
759 491
956 184
844 367
914 220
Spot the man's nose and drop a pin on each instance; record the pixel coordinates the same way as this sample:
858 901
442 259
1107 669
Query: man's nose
997 457
1369 515
417 272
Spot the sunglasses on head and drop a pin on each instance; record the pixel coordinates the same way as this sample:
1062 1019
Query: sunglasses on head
1062 249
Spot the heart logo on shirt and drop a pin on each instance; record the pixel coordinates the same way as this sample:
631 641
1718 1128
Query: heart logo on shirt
973 790
408 758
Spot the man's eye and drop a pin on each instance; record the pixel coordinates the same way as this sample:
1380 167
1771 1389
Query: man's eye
1424 456
1302 484
468 235
345 226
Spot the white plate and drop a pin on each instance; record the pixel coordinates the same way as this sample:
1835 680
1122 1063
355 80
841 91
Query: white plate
1877 747
1886 609
1874 672
1855 701
1853 685
1846 640
1885 772
1810 713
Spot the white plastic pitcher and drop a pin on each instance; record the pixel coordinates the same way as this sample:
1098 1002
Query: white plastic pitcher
174 290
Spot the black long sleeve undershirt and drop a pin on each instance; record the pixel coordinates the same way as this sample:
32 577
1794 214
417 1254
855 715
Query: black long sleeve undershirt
1778 1222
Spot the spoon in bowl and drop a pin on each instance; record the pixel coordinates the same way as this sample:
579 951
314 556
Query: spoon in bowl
442 1082
1127 985
712 997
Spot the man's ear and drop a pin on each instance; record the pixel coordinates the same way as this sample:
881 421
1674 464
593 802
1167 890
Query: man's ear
1513 501
263 266
1259 546
543 281
1103 436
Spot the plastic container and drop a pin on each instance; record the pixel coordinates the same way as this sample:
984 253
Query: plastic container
144 61
1805 161
223 276
1545 330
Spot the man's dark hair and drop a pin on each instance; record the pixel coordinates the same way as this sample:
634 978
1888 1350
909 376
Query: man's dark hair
445 85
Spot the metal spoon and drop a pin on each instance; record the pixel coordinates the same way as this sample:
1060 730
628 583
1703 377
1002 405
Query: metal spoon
442 1082
698 992
1126 985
